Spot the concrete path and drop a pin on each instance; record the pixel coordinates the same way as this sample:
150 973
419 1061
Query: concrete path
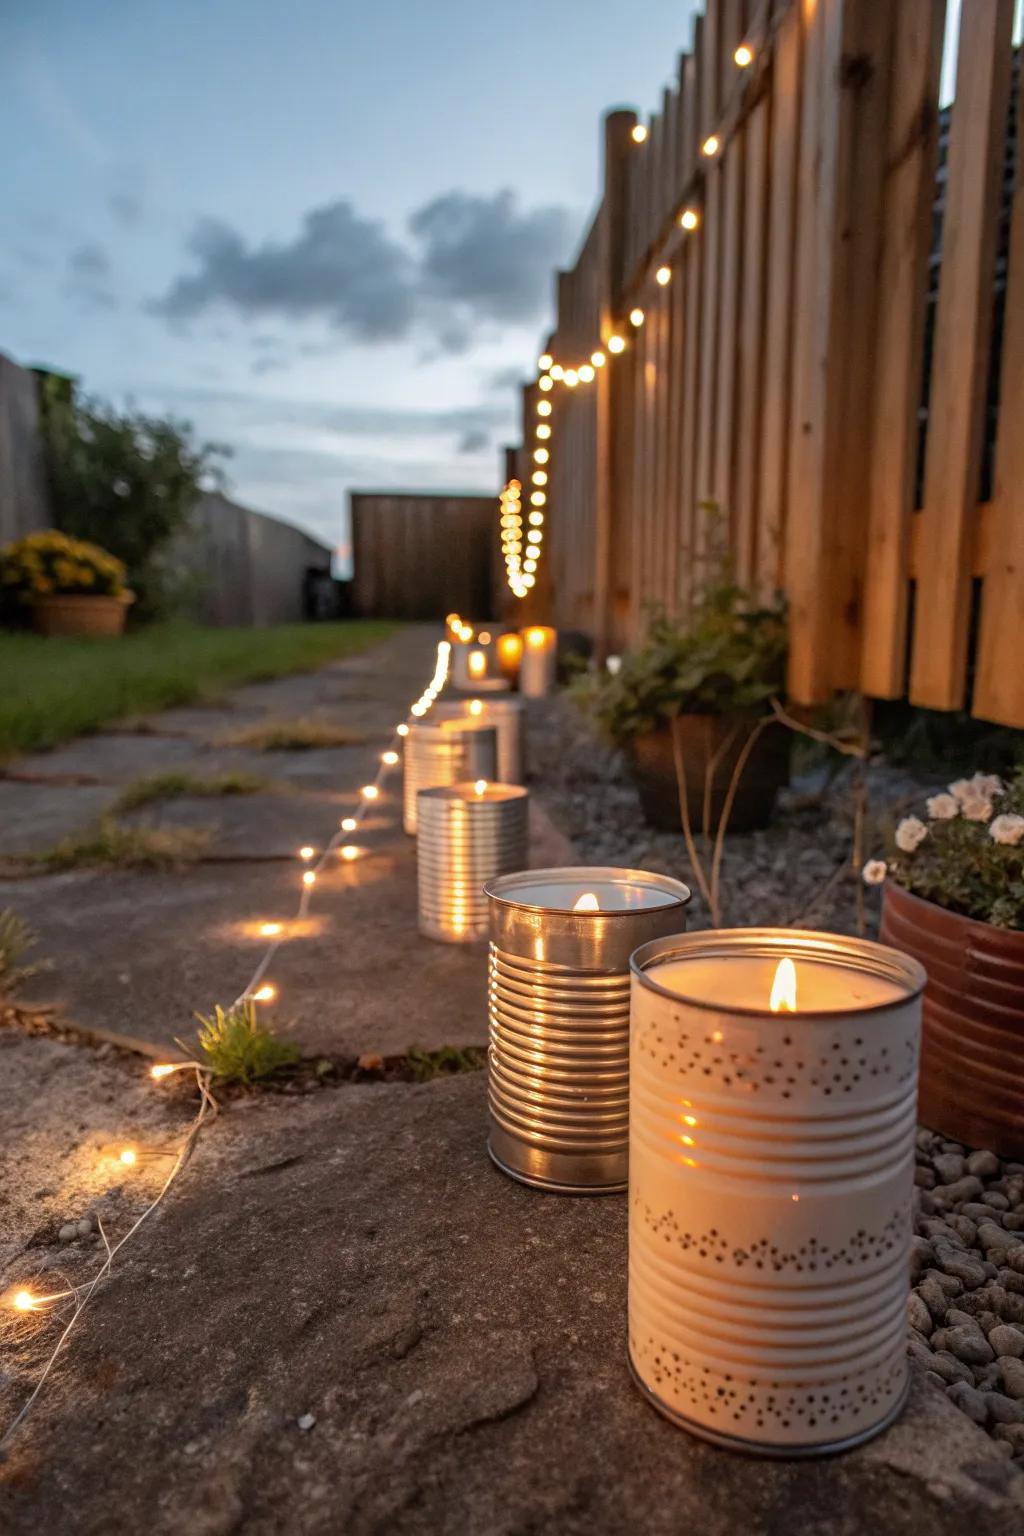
138 953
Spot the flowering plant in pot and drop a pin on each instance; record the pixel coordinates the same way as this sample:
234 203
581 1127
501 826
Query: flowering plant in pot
954 899
684 704
70 587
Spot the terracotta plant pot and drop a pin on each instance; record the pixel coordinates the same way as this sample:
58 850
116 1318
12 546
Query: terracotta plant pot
702 739
972 1044
80 613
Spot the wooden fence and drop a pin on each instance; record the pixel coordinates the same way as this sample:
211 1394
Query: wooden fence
419 556
777 373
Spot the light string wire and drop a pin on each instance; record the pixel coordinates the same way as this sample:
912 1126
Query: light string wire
23 1301
686 217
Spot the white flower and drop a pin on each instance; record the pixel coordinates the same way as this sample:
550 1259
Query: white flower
942 807
982 785
874 872
910 834
1007 829
614 665
976 807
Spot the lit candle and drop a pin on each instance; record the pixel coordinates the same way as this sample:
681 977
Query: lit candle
476 665
537 668
466 835
510 653
773 1077
558 1083
445 753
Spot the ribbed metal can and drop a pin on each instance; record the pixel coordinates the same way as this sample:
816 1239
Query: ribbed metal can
466 835
507 714
770 1186
558 1002
444 754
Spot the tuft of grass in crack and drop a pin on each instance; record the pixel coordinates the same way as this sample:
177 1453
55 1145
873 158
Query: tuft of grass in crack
301 735
176 784
16 939
239 1049
113 845
445 1062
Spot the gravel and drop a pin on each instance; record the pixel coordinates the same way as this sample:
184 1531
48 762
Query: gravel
965 1311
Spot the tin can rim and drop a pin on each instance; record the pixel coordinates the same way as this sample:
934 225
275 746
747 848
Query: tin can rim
457 793
835 948
503 889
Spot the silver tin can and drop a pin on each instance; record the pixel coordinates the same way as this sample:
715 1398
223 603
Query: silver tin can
771 1162
466 835
444 754
558 999
507 713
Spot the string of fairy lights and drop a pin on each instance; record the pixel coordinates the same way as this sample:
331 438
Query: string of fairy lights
522 554
68 1302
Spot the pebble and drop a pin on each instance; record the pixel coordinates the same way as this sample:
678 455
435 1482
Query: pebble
924 1178
965 1267
950 1368
984 1165
1015 1258
949 1167
1013 1375
963 1189
1006 1340
921 1255
306 1420
993 1198
85 1226
969 1400
934 1298
918 1314
996 1239
1012 1434
969 1344
68 1232
1003 1409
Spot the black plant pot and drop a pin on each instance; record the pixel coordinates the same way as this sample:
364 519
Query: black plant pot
703 741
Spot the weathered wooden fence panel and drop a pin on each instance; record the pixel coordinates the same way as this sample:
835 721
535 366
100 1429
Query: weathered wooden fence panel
771 231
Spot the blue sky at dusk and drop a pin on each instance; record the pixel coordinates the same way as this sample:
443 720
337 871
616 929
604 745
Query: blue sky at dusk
324 232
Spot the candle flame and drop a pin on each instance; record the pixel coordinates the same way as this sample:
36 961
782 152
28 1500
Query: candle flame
476 706
588 902
536 638
783 997
24 1301
480 786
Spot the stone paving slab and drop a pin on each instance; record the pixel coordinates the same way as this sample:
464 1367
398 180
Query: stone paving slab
33 817
454 1344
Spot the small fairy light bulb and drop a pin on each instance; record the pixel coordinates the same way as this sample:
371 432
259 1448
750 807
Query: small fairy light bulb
540 455
128 1156
545 383
402 730
23 1301
557 371
267 993
538 498
349 852
269 930
636 317
309 879
162 1069
543 431
370 792
418 710
349 824
597 358
586 373
616 344
744 56
663 276
689 218
544 361
476 706
306 853
536 519
543 407
571 378
539 477
480 787
711 145
638 133
389 758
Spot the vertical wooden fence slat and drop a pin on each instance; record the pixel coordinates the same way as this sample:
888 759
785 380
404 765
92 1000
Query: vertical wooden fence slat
778 345
707 387
910 153
960 362
748 445
691 406
728 332
710 53
999 683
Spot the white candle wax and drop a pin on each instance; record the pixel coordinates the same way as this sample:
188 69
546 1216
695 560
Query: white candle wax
612 896
745 981
488 794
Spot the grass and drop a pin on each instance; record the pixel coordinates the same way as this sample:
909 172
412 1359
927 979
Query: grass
113 845
239 1049
16 939
57 688
301 735
176 784
444 1062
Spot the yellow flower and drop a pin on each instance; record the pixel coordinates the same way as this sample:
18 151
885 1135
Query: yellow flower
42 585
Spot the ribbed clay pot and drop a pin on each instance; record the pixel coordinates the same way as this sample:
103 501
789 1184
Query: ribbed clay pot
705 740
972 1046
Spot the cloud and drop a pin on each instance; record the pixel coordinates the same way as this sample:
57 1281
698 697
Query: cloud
89 277
126 206
467 260
506 378
89 261
473 441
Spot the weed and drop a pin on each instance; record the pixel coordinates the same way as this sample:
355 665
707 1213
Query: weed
113 845
16 939
176 784
239 1049
301 735
445 1062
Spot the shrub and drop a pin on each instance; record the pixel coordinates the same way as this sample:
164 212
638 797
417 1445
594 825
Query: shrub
43 563
967 855
727 658
126 480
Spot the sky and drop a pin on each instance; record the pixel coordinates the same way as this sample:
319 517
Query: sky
323 232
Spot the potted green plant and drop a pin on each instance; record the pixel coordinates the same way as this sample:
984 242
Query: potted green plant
70 587
684 704
954 899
